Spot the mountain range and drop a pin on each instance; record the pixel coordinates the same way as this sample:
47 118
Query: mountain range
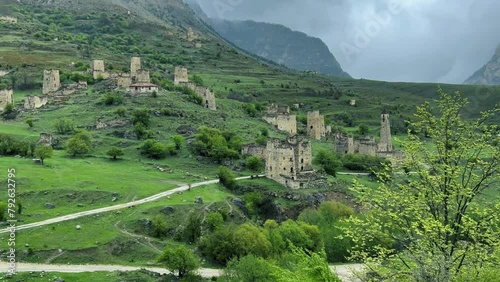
489 74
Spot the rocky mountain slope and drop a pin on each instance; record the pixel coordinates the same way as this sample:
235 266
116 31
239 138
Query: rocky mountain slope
489 74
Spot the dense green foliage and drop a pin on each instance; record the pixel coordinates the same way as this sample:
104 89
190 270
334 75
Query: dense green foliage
79 144
217 144
43 152
9 146
437 223
179 259
328 162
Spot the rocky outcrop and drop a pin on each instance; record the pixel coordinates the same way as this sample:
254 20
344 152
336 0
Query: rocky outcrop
489 74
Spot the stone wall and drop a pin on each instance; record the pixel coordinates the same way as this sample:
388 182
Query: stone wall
98 69
254 150
316 125
142 76
180 75
278 110
51 81
8 19
35 102
123 80
285 122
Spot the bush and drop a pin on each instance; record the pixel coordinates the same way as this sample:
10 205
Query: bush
79 144
29 122
171 149
64 126
219 145
328 162
9 108
255 163
142 116
115 152
214 220
357 162
178 140
120 111
198 80
226 177
11 147
153 149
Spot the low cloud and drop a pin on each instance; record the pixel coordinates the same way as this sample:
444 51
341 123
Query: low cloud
394 40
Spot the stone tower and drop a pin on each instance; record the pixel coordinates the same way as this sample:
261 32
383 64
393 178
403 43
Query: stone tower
142 76
135 65
189 34
98 69
287 160
385 144
315 125
51 81
180 75
6 97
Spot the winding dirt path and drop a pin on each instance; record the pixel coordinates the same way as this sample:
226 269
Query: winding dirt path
115 207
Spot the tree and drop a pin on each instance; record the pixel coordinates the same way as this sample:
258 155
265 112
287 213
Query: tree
153 149
437 223
142 116
79 144
248 269
43 152
226 177
63 125
179 259
363 129
328 162
115 152
214 220
255 163
178 140
29 122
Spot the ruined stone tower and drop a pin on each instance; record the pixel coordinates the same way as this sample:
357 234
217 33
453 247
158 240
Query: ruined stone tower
208 97
6 97
288 161
315 125
189 34
98 69
135 65
180 75
142 76
385 144
51 81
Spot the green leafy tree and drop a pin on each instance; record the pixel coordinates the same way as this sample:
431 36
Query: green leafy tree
255 163
79 144
219 245
437 223
115 152
153 149
250 239
198 80
29 122
226 177
192 231
142 116
159 226
328 162
248 269
363 129
64 125
179 259
214 220
43 152
178 141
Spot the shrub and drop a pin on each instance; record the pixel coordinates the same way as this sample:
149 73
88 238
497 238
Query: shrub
328 161
226 177
142 116
120 111
254 163
115 152
79 144
153 149
64 125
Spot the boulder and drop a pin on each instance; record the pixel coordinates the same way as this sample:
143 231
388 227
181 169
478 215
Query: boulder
198 200
49 206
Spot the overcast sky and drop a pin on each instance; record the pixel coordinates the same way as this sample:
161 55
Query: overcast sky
392 40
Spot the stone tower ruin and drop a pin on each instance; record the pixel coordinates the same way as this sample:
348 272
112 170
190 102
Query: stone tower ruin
208 97
135 65
190 35
280 117
385 144
51 81
288 161
316 125
142 76
98 69
6 97
180 75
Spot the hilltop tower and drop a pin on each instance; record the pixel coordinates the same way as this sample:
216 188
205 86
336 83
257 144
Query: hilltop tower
51 81
180 75
315 125
385 144
98 69
135 65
